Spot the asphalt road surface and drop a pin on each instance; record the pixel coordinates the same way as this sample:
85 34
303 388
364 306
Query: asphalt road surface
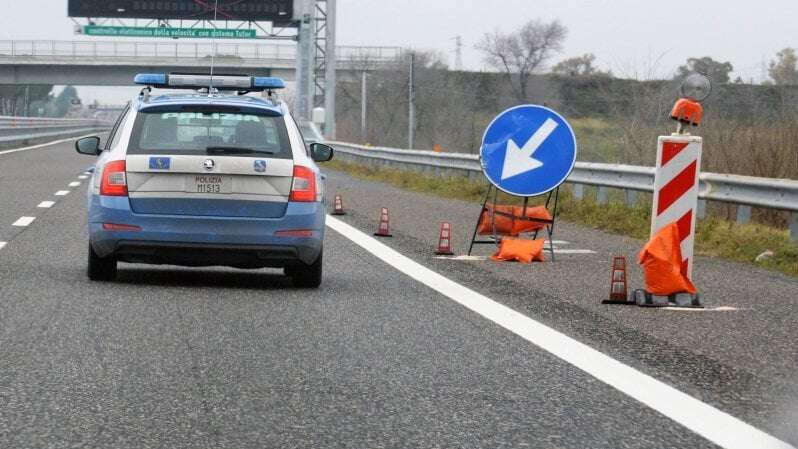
380 356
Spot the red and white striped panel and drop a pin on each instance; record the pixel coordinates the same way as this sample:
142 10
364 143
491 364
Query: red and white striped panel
676 190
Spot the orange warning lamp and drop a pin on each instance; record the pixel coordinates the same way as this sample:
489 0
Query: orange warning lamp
688 110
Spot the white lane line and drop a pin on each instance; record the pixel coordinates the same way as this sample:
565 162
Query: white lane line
2 244
82 176
74 184
23 221
62 193
46 204
709 422
55 142
569 251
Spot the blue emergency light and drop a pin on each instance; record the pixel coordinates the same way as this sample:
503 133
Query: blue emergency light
202 81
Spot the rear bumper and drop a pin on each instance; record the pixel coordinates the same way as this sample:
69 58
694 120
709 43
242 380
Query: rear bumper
203 240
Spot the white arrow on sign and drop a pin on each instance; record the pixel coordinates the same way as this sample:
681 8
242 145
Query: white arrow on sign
519 160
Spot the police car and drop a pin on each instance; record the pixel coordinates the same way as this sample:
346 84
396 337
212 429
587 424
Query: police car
210 177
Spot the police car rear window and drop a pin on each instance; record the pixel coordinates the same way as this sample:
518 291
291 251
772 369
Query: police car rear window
204 131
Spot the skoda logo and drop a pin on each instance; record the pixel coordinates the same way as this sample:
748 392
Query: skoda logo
208 164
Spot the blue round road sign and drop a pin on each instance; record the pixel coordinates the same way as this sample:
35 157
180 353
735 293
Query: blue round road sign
528 150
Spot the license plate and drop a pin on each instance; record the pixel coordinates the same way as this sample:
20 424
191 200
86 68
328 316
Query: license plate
209 184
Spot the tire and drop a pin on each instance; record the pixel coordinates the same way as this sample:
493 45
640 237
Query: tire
101 268
306 276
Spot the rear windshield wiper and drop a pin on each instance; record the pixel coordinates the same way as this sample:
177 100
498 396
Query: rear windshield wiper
235 150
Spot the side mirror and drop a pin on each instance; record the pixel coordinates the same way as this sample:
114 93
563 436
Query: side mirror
88 145
320 152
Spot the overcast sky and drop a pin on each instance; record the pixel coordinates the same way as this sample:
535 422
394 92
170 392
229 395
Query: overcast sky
633 38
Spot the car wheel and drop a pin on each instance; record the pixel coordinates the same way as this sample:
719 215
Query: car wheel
101 268
306 276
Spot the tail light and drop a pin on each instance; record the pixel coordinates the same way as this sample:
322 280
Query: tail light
304 187
121 227
114 182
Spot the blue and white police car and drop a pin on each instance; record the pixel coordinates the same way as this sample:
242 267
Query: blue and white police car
211 177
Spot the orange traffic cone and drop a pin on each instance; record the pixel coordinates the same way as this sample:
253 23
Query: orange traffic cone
445 241
618 288
384 230
338 208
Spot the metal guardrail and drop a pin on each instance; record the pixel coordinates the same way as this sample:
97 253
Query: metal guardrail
16 130
179 50
743 191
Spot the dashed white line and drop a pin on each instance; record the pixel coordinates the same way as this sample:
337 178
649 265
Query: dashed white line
46 204
569 251
705 420
62 193
23 221
74 184
82 177
2 244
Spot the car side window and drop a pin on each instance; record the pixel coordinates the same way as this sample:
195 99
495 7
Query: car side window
115 135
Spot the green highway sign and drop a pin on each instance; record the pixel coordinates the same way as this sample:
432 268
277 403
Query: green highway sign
219 33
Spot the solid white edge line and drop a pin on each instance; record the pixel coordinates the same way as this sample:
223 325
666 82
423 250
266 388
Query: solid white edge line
42 145
62 193
23 221
46 204
2 244
705 420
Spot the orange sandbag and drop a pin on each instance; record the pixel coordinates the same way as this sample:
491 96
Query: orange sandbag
662 263
506 225
538 212
524 251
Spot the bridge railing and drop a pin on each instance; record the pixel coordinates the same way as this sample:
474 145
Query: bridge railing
177 49
19 130
742 191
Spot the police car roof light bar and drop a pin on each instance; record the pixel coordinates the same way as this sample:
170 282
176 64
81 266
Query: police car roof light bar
202 81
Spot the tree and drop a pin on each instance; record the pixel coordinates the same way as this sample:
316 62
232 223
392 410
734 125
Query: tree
63 102
521 53
578 66
718 72
783 70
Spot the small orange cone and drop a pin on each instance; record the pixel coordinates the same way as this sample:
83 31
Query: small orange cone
445 240
338 208
384 229
619 292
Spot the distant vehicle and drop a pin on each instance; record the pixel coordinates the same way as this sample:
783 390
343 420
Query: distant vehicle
207 178
310 132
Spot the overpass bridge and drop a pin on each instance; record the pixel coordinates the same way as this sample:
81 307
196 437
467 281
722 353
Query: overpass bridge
114 63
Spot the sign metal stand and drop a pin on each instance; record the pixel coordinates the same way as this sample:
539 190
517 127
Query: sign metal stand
492 190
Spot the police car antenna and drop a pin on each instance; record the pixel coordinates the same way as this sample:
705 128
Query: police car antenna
213 46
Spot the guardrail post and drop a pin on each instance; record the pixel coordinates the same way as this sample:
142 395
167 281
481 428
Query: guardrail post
631 197
602 195
578 191
743 214
701 210
794 227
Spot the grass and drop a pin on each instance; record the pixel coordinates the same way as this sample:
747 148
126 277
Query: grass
714 236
